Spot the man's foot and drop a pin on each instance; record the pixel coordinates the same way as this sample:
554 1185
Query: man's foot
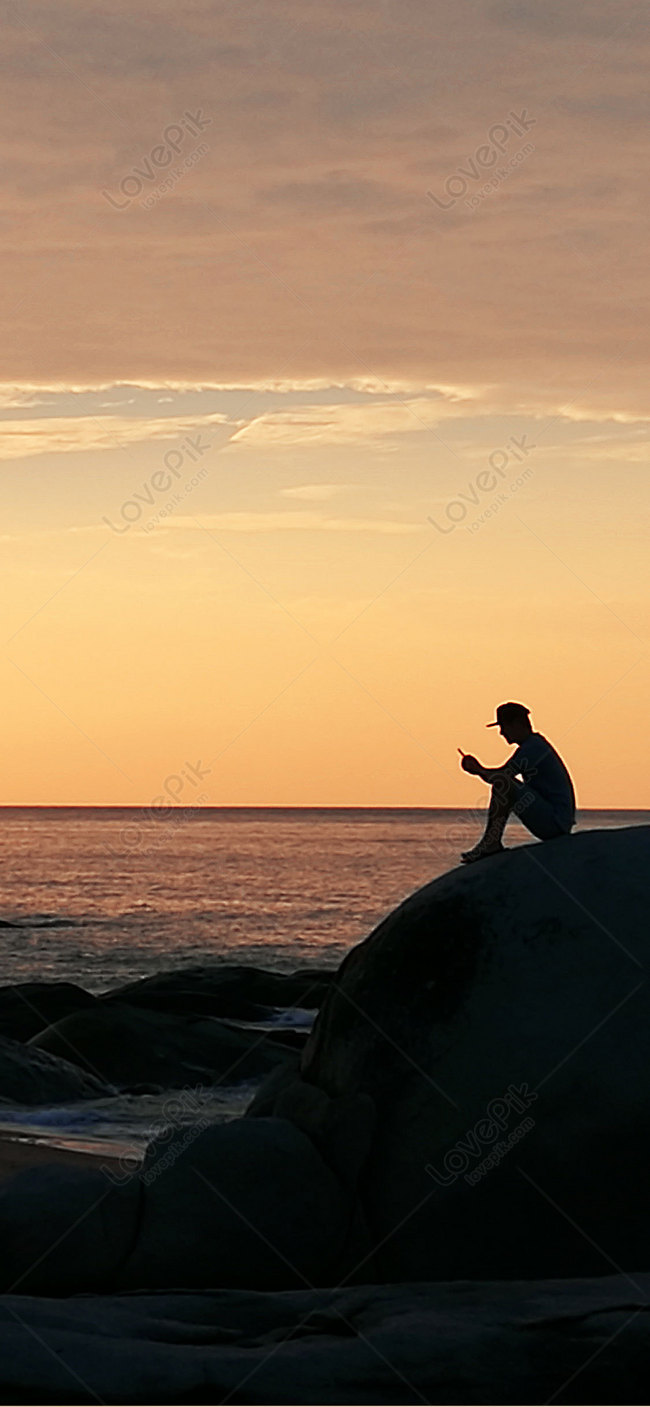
480 851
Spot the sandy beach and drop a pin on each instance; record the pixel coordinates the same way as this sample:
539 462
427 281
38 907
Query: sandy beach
17 1154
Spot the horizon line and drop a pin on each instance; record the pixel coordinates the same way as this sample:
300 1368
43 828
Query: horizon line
256 806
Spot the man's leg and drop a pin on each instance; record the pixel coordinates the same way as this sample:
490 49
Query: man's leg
504 795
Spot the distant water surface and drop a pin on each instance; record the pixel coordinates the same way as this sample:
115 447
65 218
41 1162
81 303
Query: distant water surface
123 892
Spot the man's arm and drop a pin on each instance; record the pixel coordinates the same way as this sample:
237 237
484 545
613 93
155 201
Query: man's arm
492 774
487 774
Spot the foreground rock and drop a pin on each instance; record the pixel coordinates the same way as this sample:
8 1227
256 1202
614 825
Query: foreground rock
246 1204
68 1229
129 1047
567 1342
31 1077
503 1013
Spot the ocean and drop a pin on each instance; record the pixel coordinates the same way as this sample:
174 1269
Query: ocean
104 896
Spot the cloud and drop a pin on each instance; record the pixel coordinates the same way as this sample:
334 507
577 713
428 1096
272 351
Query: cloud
340 424
313 426
303 248
314 493
616 450
369 423
337 193
246 522
28 392
18 398
21 439
556 21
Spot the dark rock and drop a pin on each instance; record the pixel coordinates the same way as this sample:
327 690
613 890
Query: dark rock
342 1129
246 1204
28 923
31 1077
226 989
582 1341
130 1046
181 1001
264 1101
28 1007
65 1229
503 1011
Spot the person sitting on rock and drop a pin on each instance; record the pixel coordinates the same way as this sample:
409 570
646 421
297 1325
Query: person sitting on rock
544 800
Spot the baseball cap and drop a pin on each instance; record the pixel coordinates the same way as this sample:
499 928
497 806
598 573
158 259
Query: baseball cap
509 713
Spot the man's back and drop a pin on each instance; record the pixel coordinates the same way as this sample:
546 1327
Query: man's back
543 769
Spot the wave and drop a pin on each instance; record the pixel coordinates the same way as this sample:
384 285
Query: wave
123 1123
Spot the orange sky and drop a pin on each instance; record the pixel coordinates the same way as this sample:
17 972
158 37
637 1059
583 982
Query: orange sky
324 397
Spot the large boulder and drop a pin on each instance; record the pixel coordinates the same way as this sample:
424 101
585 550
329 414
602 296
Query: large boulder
130 1046
499 1020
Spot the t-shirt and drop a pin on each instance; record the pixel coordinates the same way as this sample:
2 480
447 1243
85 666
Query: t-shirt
543 770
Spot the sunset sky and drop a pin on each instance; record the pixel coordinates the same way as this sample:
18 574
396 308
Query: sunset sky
324 389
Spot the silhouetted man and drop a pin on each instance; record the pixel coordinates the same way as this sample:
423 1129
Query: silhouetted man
544 800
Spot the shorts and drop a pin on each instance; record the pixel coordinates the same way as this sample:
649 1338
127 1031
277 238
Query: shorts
537 814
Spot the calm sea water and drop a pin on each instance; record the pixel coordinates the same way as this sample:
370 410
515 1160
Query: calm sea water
128 892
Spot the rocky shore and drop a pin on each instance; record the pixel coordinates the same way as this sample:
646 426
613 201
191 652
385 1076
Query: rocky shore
174 1030
576 1341
426 1202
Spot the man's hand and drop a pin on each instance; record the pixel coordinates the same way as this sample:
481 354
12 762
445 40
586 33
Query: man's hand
470 764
